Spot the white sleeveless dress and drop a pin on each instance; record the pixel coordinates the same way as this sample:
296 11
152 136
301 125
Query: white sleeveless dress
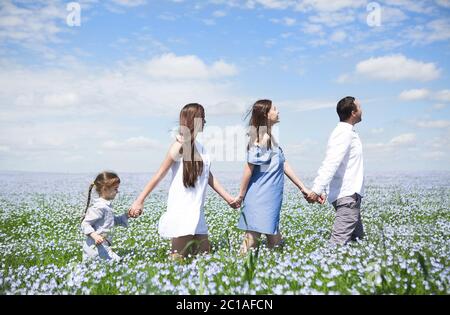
185 206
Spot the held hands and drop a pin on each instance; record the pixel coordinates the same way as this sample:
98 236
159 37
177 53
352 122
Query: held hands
305 192
312 197
136 210
236 202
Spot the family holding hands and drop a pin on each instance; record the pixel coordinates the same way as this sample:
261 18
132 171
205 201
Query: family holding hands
260 194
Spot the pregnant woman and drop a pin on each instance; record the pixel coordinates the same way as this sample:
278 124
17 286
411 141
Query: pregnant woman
263 179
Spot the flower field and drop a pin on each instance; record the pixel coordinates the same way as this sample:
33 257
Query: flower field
406 250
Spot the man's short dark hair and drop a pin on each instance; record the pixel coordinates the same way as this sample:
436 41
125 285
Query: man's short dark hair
345 107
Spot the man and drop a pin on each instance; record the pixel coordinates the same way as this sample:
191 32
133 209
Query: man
343 172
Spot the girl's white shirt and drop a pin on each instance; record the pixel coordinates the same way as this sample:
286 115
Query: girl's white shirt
185 206
100 218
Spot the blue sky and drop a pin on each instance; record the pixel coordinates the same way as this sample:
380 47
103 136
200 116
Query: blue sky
105 94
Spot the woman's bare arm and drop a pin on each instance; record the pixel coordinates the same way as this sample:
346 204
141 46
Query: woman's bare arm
218 188
297 182
248 170
172 155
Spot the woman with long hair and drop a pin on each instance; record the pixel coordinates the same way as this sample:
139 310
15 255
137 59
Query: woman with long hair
184 221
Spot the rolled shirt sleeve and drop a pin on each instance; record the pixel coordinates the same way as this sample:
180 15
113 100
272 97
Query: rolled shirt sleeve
338 146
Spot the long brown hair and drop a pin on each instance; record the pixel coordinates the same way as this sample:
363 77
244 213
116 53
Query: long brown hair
191 116
259 122
102 181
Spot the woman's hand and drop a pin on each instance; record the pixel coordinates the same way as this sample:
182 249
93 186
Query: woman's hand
305 191
236 202
136 209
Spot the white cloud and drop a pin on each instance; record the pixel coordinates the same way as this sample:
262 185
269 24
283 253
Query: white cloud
289 21
28 26
443 96
397 67
391 15
64 113
439 143
68 145
403 139
168 17
344 78
130 3
310 28
338 36
285 21
226 107
133 143
329 6
332 19
444 3
301 149
61 99
35 24
4 148
139 88
219 13
434 124
417 6
418 94
271 4
434 155
377 131
308 105
412 95
439 106
382 44
209 22
187 67
437 30
44 137
298 5
270 42
406 140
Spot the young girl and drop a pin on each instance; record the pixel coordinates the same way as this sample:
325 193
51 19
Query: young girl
99 218
263 179
184 220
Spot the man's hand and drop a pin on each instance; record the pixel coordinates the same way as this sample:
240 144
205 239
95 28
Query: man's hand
322 199
313 197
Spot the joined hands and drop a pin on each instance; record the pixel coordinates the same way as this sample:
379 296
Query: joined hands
312 197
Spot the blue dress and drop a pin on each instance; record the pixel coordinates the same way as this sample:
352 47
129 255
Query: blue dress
262 202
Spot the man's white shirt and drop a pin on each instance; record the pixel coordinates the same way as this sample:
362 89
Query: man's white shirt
342 171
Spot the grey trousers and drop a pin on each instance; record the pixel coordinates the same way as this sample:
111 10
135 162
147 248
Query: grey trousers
347 225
